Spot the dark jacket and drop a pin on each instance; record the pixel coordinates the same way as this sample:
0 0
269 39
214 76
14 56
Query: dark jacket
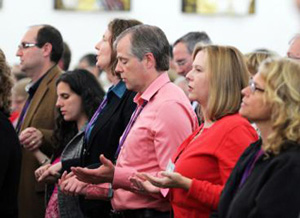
104 139
272 189
10 162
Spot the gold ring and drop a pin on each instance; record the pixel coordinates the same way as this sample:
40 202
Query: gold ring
32 142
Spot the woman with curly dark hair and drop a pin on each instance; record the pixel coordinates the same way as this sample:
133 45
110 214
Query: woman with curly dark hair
79 94
10 148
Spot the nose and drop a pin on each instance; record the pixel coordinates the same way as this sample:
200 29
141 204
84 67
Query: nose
246 91
97 46
58 103
19 52
189 76
118 68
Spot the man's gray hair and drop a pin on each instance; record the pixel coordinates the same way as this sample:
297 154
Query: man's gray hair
148 39
192 38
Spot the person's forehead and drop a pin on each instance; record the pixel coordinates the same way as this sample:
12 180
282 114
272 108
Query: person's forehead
31 33
123 44
296 42
180 47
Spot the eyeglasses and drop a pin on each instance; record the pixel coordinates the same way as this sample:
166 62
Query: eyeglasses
25 45
181 62
253 87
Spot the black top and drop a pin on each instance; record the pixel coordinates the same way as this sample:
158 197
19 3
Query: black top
10 162
272 190
104 139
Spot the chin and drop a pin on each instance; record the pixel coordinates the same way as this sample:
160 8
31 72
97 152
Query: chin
66 118
243 113
191 97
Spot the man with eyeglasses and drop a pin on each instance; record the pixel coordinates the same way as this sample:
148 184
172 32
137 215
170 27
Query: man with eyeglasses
183 50
182 54
40 50
294 49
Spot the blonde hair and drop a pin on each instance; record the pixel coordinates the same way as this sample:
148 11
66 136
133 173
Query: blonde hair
228 75
254 59
282 92
6 84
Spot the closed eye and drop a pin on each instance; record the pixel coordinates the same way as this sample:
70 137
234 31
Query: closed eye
65 96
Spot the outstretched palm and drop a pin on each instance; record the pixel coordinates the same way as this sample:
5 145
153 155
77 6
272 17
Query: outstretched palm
102 174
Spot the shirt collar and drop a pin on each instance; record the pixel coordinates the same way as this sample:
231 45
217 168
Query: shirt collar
156 85
118 89
32 87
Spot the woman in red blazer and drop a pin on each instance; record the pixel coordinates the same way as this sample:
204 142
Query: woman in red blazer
204 160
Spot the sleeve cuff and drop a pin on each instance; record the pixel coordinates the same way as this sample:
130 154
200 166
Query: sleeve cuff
102 191
122 178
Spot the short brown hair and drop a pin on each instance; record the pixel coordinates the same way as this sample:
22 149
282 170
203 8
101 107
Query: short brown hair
228 76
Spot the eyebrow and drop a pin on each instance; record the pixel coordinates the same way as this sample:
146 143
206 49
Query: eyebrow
257 84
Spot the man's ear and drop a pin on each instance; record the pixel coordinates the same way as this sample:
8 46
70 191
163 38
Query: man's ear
47 49
149 60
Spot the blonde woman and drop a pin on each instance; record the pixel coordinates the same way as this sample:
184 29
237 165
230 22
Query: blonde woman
265 181
205 159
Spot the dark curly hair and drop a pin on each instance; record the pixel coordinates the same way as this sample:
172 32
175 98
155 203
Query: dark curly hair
6 84
84 84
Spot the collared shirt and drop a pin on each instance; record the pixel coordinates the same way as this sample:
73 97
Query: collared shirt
118 89
32 87
166 120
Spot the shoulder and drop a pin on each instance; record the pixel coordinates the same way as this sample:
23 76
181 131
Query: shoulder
290 154
4 121
172 91
231 122
52 76
170 94
7 131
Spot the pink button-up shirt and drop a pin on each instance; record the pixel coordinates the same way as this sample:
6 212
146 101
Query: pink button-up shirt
166 120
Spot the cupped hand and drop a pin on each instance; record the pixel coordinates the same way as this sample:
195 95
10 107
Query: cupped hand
102 174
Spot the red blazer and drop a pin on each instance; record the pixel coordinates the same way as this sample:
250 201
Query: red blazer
208 160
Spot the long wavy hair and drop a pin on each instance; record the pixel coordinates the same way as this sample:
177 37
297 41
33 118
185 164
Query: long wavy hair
282 92
84 84
6 84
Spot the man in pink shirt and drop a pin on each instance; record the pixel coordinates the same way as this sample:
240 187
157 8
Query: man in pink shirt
163 119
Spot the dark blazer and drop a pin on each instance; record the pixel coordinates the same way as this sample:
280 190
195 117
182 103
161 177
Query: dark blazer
271 190
10 162
104 139
41 115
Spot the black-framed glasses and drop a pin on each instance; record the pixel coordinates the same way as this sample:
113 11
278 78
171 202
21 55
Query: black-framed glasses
253 87
25 45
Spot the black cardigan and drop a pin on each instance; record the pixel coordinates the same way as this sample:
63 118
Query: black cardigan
10 162
271 191
104 139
